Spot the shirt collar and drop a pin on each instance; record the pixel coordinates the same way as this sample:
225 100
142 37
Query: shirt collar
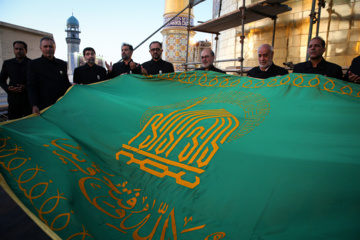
22 60
320 65
157 62
47 60
88 66
122 62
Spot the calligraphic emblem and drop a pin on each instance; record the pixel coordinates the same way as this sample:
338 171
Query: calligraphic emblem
179 140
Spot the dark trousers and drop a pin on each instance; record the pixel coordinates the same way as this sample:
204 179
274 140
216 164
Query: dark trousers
18 111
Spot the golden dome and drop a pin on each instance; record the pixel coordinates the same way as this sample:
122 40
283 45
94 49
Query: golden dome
175 6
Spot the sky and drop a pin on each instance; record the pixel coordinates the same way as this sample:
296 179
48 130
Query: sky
104 25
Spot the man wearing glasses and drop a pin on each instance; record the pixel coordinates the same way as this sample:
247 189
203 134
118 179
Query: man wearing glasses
156 65
207 61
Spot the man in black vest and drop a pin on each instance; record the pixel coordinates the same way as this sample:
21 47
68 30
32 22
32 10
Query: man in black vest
126 65
15 70
156 65
89 72
266 66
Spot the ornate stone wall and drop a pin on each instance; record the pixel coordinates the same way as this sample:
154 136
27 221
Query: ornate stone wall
175 33
339 27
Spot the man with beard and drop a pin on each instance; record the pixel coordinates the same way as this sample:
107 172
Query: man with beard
266 66
89 72
207 61
47 78
126 66
15 70
317 64
156 65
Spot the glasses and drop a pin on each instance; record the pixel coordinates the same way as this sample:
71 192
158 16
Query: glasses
155 49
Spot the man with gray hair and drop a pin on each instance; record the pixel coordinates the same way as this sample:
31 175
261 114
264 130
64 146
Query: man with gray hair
47 78
266 66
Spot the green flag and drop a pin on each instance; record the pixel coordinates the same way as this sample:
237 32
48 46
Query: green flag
192 155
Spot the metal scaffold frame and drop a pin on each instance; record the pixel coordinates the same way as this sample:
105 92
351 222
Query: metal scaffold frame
245 15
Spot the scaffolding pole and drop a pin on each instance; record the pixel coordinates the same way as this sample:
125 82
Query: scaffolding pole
188 38
242 37
312 19
273 38
161 27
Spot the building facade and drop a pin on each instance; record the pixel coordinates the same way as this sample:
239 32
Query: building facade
339 27
10 33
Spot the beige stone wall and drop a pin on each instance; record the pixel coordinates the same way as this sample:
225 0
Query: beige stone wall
10 33
339 26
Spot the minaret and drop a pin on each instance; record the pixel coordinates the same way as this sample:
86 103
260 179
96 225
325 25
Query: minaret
73 41
175 33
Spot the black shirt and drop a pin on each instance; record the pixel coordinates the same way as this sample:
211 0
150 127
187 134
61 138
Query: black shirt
212 68
354 68
47 81
87 74
120 68
272 71
324 68
16 71
153 67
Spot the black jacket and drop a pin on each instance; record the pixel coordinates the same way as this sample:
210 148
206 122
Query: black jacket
120 68
86 74
324 68
153 67
273 71
47 81
212 68
354 68
16 72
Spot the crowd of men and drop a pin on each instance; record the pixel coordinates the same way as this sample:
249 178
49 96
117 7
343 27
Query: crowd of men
37 84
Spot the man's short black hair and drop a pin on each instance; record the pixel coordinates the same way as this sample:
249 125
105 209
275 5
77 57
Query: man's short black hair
321 40
129 45
155 42
47 38
88 49
20 42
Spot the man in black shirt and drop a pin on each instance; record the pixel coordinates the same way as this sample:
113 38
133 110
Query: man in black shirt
207 61
89 72
15 70
353 74
156 65
317 64
266 66
47 78
126 66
